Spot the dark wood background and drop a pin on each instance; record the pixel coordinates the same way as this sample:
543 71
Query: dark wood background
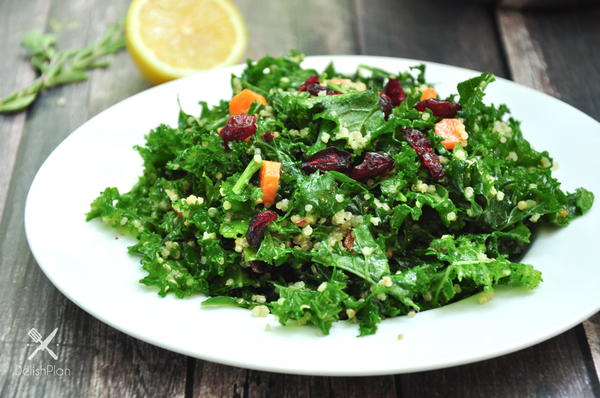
555 51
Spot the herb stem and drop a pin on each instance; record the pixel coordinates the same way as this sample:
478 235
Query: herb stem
336 87
61 67
250 170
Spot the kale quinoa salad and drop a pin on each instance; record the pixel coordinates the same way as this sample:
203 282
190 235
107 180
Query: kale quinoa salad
321 196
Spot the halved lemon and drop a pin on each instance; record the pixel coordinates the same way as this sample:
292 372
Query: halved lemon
169 39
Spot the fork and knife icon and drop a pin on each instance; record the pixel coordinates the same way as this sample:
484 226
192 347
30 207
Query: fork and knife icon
43 345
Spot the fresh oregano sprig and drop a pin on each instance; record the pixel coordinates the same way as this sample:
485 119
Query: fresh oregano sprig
61 67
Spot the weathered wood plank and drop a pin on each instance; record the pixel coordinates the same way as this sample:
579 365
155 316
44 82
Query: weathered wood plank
16 73
215 380
364 387
551 52
101 361
554 368
592 332
266 385
122 79
525 59
313 27
559 46
441 31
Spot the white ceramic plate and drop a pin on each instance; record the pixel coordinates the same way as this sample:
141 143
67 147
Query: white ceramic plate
87 264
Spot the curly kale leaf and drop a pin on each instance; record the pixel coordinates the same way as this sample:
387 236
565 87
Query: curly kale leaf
320 307
369 263
467 260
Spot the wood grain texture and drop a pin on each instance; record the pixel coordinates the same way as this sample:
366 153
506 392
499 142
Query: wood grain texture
554 368
566 42
266 385
278 26
450 32
101 361
215 380
15 64
212 380
551 52
525 59
357 387
592 333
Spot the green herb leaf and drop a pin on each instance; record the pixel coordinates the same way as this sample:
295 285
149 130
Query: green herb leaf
57 68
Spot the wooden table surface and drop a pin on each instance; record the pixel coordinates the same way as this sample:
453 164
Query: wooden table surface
555 51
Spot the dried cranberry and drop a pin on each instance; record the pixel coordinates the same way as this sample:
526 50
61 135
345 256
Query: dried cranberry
314 79
256 230
314 90
417 140
432 162
268 136
374 164
439 108
391 96
421 144
312 86
393 89
328 159
348 241
385 103
238 128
